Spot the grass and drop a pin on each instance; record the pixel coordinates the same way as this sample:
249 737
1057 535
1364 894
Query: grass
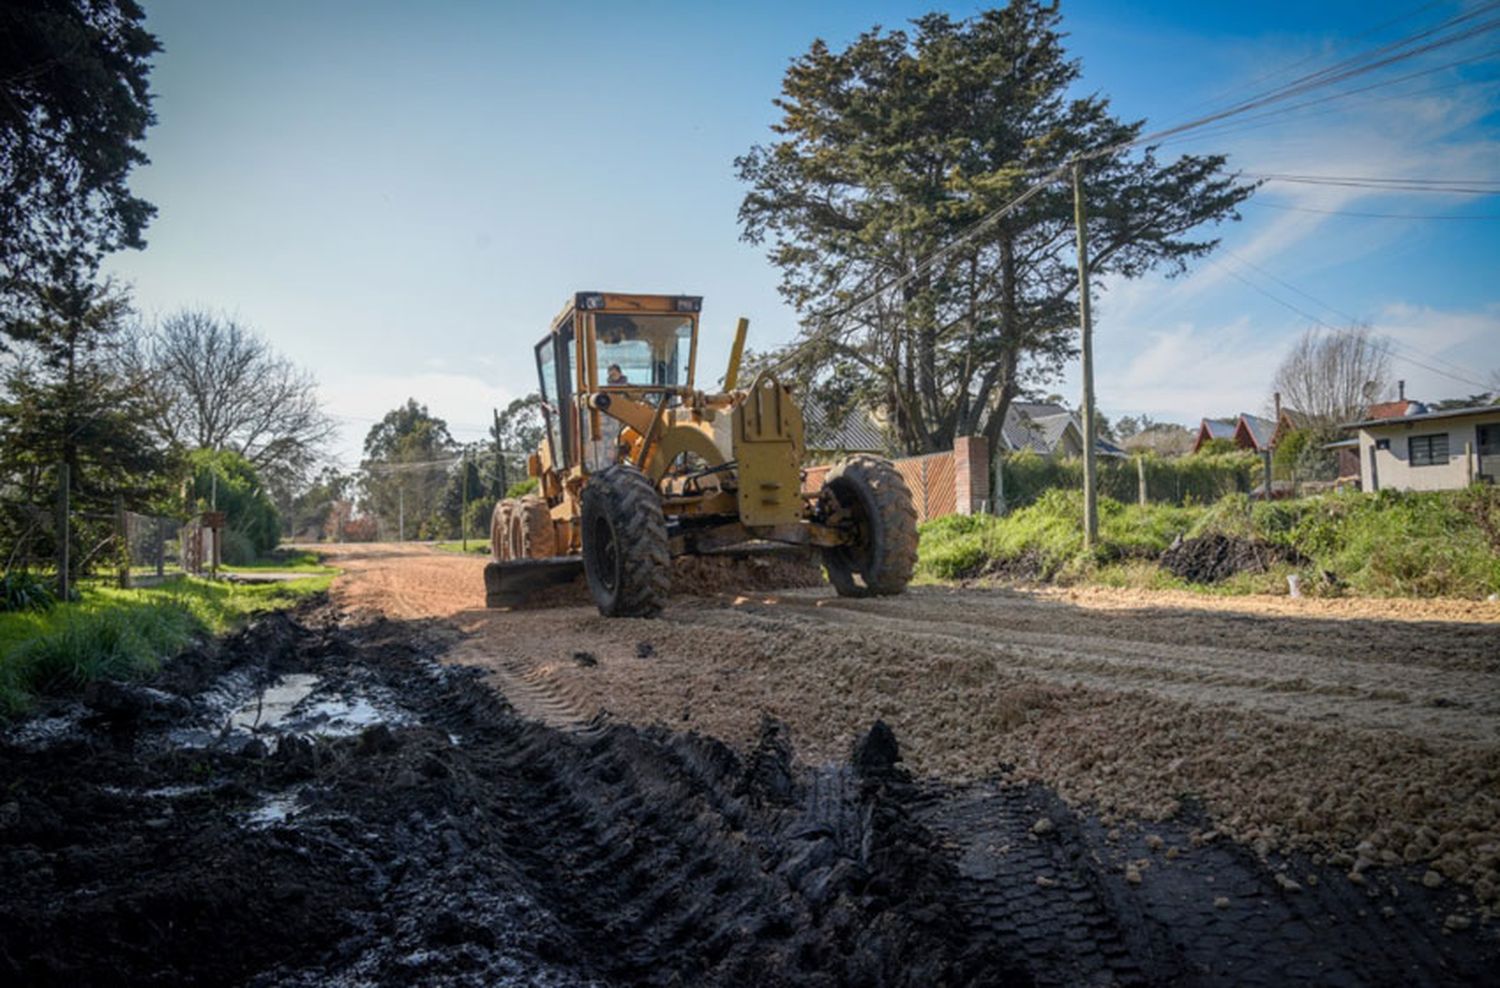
125 634
285 560
456 545
1422 544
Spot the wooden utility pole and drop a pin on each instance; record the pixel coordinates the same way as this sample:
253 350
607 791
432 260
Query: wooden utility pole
499 456
122 530
1090 495
64 585
463 518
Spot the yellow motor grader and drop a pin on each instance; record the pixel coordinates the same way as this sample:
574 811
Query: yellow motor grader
638 466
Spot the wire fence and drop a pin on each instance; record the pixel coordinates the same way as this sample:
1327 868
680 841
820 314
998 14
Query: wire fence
74 540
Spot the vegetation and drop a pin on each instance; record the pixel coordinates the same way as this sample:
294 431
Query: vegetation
124 633
74 108
216 384
1439 543
407 455
1329 377
889 149
1196 479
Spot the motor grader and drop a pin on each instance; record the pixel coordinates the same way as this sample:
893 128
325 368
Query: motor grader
638 466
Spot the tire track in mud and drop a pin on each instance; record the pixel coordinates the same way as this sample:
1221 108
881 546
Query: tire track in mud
1435 703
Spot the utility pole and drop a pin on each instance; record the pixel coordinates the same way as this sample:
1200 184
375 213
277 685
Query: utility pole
499 456
63 535
1090 495
463 517
401 512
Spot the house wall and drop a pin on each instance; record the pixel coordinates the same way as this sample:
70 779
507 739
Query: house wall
1393 468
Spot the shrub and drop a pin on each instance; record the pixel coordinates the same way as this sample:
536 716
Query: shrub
522 487
22 591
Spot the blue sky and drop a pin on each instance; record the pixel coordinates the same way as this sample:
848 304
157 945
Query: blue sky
400 195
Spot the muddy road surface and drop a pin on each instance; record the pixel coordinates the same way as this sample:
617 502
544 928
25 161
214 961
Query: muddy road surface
958 787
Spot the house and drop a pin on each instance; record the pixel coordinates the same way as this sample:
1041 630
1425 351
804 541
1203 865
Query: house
1050 429
1244 430
829 434
1427 451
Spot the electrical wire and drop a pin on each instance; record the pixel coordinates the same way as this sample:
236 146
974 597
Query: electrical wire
1362 63
1380 216
1384 345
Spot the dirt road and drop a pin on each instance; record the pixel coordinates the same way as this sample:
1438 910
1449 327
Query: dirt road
1352 729
1089 788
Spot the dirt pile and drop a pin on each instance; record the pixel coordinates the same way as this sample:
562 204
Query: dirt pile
1216 557
705 576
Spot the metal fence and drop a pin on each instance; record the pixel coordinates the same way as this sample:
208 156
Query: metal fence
932 480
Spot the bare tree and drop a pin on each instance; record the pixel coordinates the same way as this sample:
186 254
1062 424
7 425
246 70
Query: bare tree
221 386
1331 376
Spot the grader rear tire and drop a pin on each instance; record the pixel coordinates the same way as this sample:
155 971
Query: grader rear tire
870 493
500 531
625 553
532 523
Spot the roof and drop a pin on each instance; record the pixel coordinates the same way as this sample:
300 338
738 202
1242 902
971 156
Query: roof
1034 425
1044 433
855 432
1260 429
1423 416
1404 408
1219 428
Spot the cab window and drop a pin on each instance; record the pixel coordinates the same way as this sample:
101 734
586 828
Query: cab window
643 351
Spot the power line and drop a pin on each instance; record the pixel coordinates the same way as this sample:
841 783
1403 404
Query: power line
1385 346
1360 64
1477 186
1379 216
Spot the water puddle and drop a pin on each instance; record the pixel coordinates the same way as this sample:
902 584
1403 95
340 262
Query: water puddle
274 704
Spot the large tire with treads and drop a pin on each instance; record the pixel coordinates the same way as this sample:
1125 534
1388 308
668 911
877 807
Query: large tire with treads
625 552
868 496
534 534
500 531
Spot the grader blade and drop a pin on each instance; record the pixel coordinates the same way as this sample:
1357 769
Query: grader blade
524 582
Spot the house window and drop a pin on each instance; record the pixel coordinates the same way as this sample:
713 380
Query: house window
1429 451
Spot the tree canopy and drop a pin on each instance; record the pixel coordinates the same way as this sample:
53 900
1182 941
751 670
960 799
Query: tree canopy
219 385
1330 376
407 456
895 148
74 108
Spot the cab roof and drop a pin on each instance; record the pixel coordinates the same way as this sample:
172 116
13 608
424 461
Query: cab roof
628 302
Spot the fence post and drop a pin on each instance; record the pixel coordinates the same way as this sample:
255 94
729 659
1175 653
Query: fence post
1000 506
161 547
122 532
971 473
64 583
1267 457
1140 479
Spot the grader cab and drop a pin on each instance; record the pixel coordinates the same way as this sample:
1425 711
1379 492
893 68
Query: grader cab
638 466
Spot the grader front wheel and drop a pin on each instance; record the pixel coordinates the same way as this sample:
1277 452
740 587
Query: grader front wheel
869 499
625 552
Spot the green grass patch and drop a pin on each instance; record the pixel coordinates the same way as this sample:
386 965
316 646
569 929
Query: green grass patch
285 560
125 633
475 545
1394 543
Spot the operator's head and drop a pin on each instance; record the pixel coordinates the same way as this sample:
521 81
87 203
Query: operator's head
616 376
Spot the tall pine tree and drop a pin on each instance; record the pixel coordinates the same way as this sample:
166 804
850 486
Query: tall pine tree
891 149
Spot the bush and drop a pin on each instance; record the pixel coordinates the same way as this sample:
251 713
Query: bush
522 487
1438 543
22 591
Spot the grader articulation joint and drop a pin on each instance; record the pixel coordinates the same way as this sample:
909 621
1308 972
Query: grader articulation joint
636 466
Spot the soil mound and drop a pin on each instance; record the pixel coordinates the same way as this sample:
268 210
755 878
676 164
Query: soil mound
1216 557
